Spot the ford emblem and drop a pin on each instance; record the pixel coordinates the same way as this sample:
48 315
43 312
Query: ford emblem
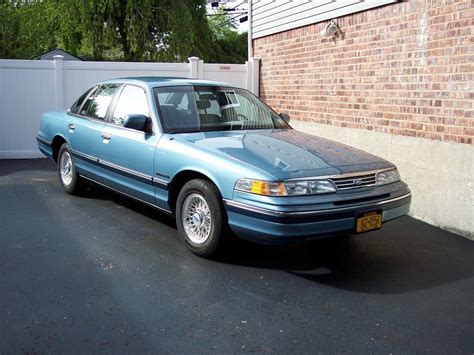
357 181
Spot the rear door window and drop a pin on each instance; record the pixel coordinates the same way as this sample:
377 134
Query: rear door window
77 105
96 105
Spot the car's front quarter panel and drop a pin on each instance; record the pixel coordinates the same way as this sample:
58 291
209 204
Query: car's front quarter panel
175 155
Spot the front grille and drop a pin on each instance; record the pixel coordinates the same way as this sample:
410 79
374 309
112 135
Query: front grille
354 182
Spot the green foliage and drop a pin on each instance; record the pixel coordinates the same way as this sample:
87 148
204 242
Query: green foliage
187 31
29 28
131 30
8 30
229 46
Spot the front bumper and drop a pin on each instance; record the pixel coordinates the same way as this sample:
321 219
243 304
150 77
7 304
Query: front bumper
271 226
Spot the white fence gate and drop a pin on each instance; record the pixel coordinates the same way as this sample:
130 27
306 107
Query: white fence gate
30 87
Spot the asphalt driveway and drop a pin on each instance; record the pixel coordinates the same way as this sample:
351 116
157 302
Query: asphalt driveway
103 274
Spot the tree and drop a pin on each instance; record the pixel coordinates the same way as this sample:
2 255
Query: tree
8 30
132 30
230 45
92 15
187 31
30 28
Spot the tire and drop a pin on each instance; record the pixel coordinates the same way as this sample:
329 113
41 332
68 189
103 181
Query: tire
70 180
200 217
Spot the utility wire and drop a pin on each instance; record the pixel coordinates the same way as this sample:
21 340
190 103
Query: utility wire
231 19
243 2
226 21
243 12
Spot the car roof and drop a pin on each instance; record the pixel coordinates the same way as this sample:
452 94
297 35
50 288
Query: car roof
156 81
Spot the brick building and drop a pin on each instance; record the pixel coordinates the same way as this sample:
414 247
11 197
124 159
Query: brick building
394 79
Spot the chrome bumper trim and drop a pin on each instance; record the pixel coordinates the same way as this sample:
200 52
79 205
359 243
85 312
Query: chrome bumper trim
269 212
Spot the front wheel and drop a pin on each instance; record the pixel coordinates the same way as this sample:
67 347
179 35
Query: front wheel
70 180
200 217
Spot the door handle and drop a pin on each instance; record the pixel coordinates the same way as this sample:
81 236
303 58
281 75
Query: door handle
71 126
106 136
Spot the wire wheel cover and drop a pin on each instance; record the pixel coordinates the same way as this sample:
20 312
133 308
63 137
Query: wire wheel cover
196 218
66 168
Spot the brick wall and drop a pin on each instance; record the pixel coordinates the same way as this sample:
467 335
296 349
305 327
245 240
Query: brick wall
404 69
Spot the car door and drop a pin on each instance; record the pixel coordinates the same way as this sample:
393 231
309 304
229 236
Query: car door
127 155
85 125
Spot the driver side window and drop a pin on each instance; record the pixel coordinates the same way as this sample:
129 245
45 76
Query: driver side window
132 100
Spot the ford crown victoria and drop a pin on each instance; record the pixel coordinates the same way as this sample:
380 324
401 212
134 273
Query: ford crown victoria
218 159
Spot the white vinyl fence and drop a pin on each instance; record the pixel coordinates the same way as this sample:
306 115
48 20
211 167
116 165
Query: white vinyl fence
30 87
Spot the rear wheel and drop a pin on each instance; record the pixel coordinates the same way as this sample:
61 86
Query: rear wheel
68 176
200 217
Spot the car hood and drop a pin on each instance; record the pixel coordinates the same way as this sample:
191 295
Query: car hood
287 153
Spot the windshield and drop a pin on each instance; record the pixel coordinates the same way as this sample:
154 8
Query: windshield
185 109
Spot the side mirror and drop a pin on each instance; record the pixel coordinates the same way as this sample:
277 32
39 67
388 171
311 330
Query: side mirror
285 117
139 123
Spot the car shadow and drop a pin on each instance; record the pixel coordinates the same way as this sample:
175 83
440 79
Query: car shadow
95 191
405 255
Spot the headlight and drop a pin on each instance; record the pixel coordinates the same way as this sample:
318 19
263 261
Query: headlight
309 187
287 188
387 177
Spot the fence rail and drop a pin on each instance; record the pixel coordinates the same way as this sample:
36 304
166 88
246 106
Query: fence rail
31 87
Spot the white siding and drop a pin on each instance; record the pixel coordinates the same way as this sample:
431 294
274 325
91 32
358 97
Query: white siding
269 17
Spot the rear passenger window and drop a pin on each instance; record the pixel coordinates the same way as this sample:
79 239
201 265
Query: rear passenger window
132 100
77 105
97 104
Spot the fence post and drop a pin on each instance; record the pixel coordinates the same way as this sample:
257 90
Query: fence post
193 67
248 75
59 81
253 75
201 69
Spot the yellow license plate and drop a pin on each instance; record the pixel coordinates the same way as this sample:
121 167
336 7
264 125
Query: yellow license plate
369 221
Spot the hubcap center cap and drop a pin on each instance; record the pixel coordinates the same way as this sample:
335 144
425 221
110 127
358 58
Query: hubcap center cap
197 219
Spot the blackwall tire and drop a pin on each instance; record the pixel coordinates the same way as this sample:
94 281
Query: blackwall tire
200 217
70 180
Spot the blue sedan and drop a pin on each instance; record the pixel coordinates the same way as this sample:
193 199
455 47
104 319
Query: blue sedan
220 161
